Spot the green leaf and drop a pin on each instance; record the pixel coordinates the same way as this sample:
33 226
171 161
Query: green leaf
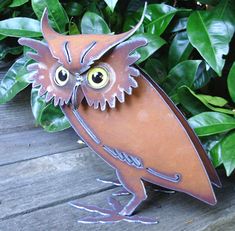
38 104
14 80
197 103
131 20
225 11
209 35
2 37
73 8
208 143
73 29
180 49
111 4
56 12
154 43
159 16
20 27
213 100
5 50
53 120
203 76
156 70
231 82
16 3
182 74
180 25
92 23
210 123
225 149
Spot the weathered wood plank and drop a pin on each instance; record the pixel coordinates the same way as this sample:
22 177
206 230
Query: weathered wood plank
19 146
16 114
32 184
174 211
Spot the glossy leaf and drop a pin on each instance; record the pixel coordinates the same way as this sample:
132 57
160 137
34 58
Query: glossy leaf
73 9
111 4
213 100
73 29
131 20
56 12
156 70
5 50
53 120
2 37
14 80
225 149
180 25
182 74
16 3
159 16
180 49
225 11
92 23
197 103
20 27
38 104
203 76
210 123
209 143
208 33
154 43
231 82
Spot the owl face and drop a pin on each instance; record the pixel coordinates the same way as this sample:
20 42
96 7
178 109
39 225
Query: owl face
98 68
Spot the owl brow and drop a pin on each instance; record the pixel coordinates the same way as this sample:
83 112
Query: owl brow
87 50
67 52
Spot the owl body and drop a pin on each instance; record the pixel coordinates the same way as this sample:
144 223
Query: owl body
146 128
120 113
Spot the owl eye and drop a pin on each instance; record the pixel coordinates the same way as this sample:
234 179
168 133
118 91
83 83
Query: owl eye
97 77
61 76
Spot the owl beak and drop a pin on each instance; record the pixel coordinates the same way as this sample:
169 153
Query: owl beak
77 94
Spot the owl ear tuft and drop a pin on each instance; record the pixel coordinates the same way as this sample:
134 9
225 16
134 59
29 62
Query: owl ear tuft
47 31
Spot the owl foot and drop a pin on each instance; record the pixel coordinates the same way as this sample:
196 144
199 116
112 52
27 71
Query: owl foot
110 215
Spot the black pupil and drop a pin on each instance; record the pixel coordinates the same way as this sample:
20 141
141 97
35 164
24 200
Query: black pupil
97 77
62 75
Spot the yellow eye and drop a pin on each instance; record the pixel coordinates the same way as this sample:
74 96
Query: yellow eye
97 77
61 76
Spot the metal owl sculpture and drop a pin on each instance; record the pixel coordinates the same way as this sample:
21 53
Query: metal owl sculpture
121 114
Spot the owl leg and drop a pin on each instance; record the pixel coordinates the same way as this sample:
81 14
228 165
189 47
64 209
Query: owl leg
137 189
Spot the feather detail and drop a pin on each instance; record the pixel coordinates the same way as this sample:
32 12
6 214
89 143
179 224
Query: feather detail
49 96
134 72
45 68
133 82
42 91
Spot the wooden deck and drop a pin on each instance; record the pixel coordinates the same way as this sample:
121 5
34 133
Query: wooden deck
41 172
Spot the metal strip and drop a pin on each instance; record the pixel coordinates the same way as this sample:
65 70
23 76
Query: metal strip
176 178
85 126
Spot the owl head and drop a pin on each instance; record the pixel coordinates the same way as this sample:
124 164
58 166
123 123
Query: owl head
96 67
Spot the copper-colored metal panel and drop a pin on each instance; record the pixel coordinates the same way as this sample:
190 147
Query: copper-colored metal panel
122 115
151 131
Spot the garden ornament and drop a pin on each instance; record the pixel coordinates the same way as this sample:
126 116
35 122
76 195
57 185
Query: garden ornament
122 115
